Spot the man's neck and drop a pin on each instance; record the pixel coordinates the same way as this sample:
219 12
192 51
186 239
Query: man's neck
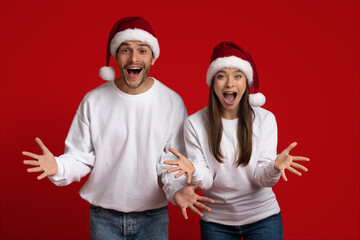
144 86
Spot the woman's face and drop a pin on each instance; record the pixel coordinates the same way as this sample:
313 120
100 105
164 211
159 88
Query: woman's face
229 87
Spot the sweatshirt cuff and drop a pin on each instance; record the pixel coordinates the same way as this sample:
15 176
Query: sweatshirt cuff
60 173
173 187
273 172
195 176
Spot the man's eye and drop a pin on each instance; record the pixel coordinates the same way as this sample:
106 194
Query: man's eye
142 51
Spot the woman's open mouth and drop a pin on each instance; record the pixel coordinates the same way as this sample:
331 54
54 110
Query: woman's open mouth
229 97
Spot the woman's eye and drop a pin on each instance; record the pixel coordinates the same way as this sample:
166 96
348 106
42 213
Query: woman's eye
238 76
220 76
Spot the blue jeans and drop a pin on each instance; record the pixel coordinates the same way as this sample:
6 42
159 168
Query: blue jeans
267 229
106 224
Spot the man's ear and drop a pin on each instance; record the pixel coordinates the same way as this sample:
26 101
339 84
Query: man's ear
153 61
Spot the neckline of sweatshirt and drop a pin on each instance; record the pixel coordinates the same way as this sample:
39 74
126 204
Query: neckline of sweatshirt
134 96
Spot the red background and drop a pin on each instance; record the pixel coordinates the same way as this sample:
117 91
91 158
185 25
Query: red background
307 54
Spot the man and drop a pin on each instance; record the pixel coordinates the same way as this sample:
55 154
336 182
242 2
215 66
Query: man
121 134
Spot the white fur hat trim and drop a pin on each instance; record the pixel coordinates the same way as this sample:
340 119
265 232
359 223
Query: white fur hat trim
229 62
134 35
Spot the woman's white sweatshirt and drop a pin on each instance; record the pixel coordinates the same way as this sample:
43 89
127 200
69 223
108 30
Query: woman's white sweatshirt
242 195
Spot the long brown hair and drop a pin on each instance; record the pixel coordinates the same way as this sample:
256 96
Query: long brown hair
244 128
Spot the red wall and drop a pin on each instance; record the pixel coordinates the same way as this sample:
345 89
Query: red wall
307 54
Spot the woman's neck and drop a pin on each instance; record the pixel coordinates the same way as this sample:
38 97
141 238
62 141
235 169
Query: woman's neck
229 114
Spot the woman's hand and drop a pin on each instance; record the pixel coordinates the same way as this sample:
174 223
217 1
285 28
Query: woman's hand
183 165
285 161
187 198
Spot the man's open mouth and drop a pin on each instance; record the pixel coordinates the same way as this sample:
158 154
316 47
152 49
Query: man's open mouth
229 97
134 72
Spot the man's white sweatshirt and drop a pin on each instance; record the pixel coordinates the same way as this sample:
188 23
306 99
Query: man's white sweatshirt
121 140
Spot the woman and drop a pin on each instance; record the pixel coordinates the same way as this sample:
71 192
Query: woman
232 145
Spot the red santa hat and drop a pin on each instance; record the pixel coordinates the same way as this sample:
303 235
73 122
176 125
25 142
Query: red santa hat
231 55
128 29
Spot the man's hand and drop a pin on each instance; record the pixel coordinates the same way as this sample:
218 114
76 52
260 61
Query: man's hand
285 161
183 165
187 198
45 163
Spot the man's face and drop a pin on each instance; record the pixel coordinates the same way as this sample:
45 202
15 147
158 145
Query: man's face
134 60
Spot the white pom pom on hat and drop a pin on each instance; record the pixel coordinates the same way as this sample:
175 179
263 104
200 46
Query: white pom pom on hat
128 29
107 73
230 55
257 99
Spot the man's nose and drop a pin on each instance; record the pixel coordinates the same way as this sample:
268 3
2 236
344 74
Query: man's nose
134 57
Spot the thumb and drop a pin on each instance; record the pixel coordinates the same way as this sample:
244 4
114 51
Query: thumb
291 146
41 145
188 178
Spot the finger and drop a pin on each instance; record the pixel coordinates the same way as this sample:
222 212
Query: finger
291 146
299 158
175 152
188 178
205 199
173 169
32 155
202 206
31 162
42 176
293 171
35 169
179 173
171 162
283 175
41 145
299 166
183 210
195 210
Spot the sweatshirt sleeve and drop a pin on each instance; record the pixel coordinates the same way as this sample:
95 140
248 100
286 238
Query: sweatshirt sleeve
202 176
78 159
176 140
265 173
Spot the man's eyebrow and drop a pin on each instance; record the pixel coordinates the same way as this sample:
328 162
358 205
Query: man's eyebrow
139 45
143 45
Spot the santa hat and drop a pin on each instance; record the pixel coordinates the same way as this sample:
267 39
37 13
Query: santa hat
230 55
128 29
